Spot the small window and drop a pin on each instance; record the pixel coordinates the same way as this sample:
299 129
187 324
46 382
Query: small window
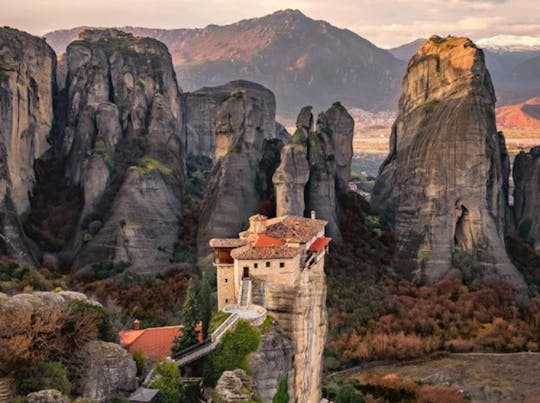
281 264
267 264
226 280
255 265
226 301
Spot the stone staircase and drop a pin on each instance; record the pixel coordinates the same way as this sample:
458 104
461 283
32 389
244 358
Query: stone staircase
245 292
6 390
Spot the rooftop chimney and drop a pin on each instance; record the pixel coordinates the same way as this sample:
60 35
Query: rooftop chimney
257 224
313 214
137 324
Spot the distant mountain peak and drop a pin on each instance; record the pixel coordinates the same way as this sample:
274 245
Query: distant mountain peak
510 43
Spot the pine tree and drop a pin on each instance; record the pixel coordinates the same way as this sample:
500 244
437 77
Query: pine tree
189 316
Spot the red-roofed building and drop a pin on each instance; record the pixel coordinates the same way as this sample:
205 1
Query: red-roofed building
264 240
279 250
320 244
154 342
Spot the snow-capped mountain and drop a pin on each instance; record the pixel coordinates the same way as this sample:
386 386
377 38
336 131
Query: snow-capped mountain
510 43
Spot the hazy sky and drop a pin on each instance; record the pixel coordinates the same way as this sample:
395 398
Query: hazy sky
384 22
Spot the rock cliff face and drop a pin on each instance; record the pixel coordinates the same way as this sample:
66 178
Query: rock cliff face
123 144
244 128
442 183
315 167
272 363
526 175
27 84
300 310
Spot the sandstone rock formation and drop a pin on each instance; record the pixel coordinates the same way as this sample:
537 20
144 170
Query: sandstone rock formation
442 183
272 363
123 142
108 371
234 386
244 129
300 310
27 84
526 175
290 178
316 166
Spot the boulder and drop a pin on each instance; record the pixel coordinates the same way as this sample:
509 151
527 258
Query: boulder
47 396
234 386
108 370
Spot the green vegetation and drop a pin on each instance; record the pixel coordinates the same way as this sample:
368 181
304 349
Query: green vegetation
298 137
338 105
217 319
282 394
168 382
103 270
99 147
232 352
183 254
32 376
430 106
109 161
140 361
267 324
148 164
189 317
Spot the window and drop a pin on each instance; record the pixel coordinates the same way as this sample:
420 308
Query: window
226 280
281 264
255 265
226 301
267 264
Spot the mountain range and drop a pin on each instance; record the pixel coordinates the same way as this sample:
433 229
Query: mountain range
303 61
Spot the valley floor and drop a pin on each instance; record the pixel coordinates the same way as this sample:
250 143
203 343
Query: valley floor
513 377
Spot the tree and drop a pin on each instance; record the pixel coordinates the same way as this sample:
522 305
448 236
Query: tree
205 304
168 382
189 316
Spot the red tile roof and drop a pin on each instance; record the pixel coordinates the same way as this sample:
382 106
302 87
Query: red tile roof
264 252
319 244
227 242
265 240
154 342
294 229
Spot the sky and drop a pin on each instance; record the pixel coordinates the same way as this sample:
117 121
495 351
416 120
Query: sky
384 22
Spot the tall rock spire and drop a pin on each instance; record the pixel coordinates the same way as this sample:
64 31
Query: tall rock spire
441 186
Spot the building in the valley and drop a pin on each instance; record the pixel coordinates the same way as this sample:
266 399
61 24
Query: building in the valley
274 251
154 342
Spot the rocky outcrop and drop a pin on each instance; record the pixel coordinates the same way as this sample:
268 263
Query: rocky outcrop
123 142
526 173
27 84
442 183
234 386
272 364
316 166
108 371
244 129
290 179
300 309
47 396
28 319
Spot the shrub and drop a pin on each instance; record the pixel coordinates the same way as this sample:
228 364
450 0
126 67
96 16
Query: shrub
32 376
168 382
430 106
232 352
282 394
140 361
298 137
148 164
267 324
348 394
